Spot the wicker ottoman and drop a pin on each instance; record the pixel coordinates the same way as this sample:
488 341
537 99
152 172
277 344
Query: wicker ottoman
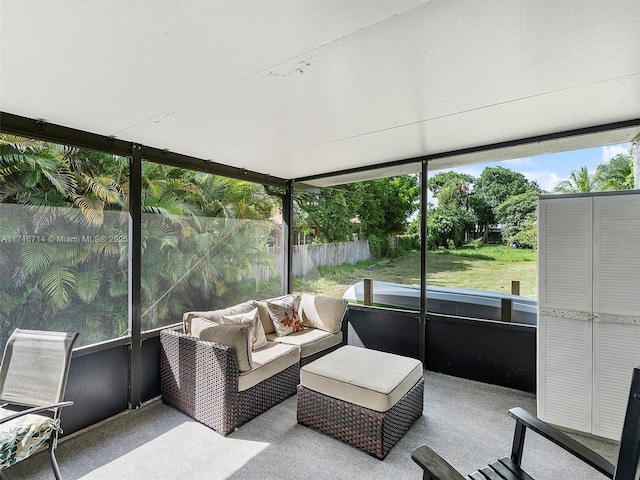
363 397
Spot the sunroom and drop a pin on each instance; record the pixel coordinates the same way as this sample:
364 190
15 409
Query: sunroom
289 98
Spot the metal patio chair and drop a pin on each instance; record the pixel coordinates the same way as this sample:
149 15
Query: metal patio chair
33 378
627 467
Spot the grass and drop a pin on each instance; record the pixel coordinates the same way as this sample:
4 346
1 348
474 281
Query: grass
488 267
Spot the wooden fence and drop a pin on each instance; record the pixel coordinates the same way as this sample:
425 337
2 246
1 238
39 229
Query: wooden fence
307 258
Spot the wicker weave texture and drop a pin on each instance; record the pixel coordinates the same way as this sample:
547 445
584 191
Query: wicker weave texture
201 379
372 431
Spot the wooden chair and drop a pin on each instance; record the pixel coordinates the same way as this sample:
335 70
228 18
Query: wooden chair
508 468
33 378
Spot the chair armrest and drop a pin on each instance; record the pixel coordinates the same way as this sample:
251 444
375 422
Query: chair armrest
36 410
435 467
182 355
563 441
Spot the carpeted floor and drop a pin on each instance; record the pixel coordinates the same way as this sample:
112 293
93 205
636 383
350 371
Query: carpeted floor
465 421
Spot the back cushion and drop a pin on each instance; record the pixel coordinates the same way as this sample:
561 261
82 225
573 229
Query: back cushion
252 321
198 324
265 317
237 337
217 315
321 312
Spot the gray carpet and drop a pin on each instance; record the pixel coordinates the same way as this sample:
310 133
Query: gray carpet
465 421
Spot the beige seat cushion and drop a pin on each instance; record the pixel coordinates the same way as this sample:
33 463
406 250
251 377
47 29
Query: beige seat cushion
236 336
268 361
310 340
372 379
325 313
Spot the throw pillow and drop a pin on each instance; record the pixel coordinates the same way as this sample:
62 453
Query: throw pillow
284 314
325 313
234 336
251 320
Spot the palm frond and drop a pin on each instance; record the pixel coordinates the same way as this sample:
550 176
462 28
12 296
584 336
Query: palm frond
36 257
56 283
22 144
91 208
88 284
167 206
105 188
157 230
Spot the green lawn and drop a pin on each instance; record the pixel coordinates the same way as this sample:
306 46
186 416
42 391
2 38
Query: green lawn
490 267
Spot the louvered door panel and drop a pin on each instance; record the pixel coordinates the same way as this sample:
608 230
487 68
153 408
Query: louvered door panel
565 253
616 352
564 392
616 255
565 376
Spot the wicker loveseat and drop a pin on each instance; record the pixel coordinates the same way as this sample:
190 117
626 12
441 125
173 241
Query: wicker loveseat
225 367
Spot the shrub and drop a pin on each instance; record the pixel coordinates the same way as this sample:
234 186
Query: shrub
380 247
408 243
447 228
527 237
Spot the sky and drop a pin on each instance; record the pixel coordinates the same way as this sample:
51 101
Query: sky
548 170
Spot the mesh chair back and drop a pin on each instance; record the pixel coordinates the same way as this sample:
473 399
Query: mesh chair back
35 366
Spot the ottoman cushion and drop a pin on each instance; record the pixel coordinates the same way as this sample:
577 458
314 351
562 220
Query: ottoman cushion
369 378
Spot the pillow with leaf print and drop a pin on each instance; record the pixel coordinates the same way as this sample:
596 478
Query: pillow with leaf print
251 320
284 314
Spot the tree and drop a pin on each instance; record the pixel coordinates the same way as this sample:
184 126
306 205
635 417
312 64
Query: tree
441 180
579 181
382 208
453 191
494 186
447 228
518 214
329 213
53 196
483 213
616 174
197 240
386 204
200 238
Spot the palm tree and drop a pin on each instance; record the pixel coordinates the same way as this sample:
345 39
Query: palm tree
197 240
616 174
579 181
52 196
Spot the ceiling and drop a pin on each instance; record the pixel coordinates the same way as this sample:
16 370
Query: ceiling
300 88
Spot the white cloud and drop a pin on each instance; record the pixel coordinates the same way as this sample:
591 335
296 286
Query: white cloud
546 180
522 162
611 151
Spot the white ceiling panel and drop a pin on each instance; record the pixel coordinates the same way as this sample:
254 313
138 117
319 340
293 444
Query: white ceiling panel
295 88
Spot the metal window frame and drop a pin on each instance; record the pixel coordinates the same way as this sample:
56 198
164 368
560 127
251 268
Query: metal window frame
41 130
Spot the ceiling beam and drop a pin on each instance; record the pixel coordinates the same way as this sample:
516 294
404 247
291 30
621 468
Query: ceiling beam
479 149
41 130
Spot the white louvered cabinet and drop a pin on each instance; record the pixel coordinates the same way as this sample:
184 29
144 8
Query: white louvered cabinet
588 309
